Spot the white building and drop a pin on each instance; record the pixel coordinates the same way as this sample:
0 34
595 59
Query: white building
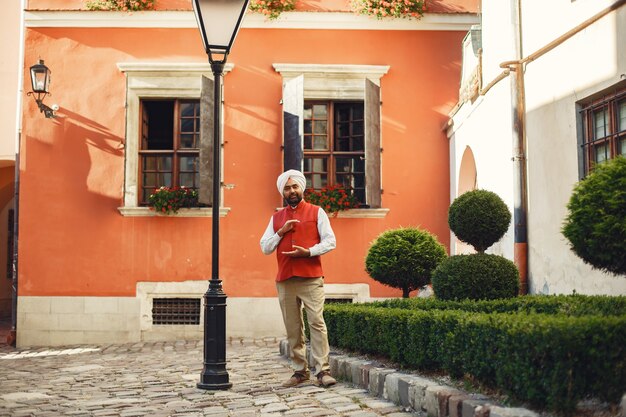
571 113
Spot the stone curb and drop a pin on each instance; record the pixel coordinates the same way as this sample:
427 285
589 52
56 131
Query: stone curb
414 392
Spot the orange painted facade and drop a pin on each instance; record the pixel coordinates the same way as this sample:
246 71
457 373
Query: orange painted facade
74 241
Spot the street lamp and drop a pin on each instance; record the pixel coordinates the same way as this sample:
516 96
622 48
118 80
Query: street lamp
40 83
219 22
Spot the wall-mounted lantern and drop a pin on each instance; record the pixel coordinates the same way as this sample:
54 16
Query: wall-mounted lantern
40 82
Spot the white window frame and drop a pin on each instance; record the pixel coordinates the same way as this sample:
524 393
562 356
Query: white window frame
157 80
336 82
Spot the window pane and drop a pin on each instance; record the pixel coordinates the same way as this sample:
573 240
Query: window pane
157 163
159 118
350 174
320 143
321 128
600 127
357 112
320 111
189 124
165 163
621 146
357 128
308 126
315 171
308 142
353 164
187 141
187 180
601 153
150 179
621 122
342 144
188 163
343 130
186 125
343 114
358 143
188 171
188 109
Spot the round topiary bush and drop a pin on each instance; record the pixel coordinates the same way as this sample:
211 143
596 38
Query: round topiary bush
479 217
404 258
479 276
596 222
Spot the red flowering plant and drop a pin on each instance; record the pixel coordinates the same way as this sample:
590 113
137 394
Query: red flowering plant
411 9
332 199
123 5
167 200
271 8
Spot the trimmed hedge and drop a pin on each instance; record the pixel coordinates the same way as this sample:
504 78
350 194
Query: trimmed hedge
568 305
479 276
548 361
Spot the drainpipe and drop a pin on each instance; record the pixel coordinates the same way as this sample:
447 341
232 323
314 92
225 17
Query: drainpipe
12 338
520 186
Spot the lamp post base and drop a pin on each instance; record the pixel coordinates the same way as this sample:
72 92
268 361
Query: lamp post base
214 375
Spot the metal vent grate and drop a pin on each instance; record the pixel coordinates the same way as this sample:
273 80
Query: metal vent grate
176 311
339 301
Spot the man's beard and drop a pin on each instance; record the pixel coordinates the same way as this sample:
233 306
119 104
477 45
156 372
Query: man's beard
294 200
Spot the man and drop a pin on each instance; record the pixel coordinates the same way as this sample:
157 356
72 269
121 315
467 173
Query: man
300 233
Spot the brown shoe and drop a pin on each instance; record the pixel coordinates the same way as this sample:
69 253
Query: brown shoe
325 380
297 378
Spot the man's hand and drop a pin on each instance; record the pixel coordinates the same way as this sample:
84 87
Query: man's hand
298 252
287 227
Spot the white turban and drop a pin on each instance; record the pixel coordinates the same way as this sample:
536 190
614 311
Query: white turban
295 175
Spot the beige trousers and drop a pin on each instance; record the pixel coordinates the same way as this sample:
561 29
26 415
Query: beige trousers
294 293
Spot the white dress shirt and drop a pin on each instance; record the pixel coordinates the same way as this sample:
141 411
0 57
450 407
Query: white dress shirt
270 239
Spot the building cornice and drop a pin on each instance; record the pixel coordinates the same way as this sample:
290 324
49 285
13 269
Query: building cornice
288 20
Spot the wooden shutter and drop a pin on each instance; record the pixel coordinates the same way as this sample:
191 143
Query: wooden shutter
293 125
373 187
207 105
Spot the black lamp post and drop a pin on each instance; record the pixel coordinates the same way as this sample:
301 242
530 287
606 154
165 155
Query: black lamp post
219 22
40 83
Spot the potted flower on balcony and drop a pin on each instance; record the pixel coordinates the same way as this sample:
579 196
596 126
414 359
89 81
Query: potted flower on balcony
332 199
123 5
271 8
411 9
168 200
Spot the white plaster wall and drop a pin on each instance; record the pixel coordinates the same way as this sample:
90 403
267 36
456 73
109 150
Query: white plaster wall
585 64
485 127
589 62
497 37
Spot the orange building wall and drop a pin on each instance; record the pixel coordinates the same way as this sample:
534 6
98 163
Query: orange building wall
432 6
73 240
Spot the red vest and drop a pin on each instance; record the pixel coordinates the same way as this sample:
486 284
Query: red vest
304 234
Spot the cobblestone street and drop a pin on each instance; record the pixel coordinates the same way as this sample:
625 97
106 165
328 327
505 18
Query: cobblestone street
159 379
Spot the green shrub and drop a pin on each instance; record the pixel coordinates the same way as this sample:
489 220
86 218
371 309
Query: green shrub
478 276
596 222
566 305
548 361
404 258
480 218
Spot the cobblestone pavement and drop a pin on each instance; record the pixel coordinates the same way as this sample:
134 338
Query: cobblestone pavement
159 379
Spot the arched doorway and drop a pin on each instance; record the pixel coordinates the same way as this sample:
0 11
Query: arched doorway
467 182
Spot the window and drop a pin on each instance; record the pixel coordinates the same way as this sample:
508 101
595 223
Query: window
334 146
163 142
331 128
604 129
170 140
